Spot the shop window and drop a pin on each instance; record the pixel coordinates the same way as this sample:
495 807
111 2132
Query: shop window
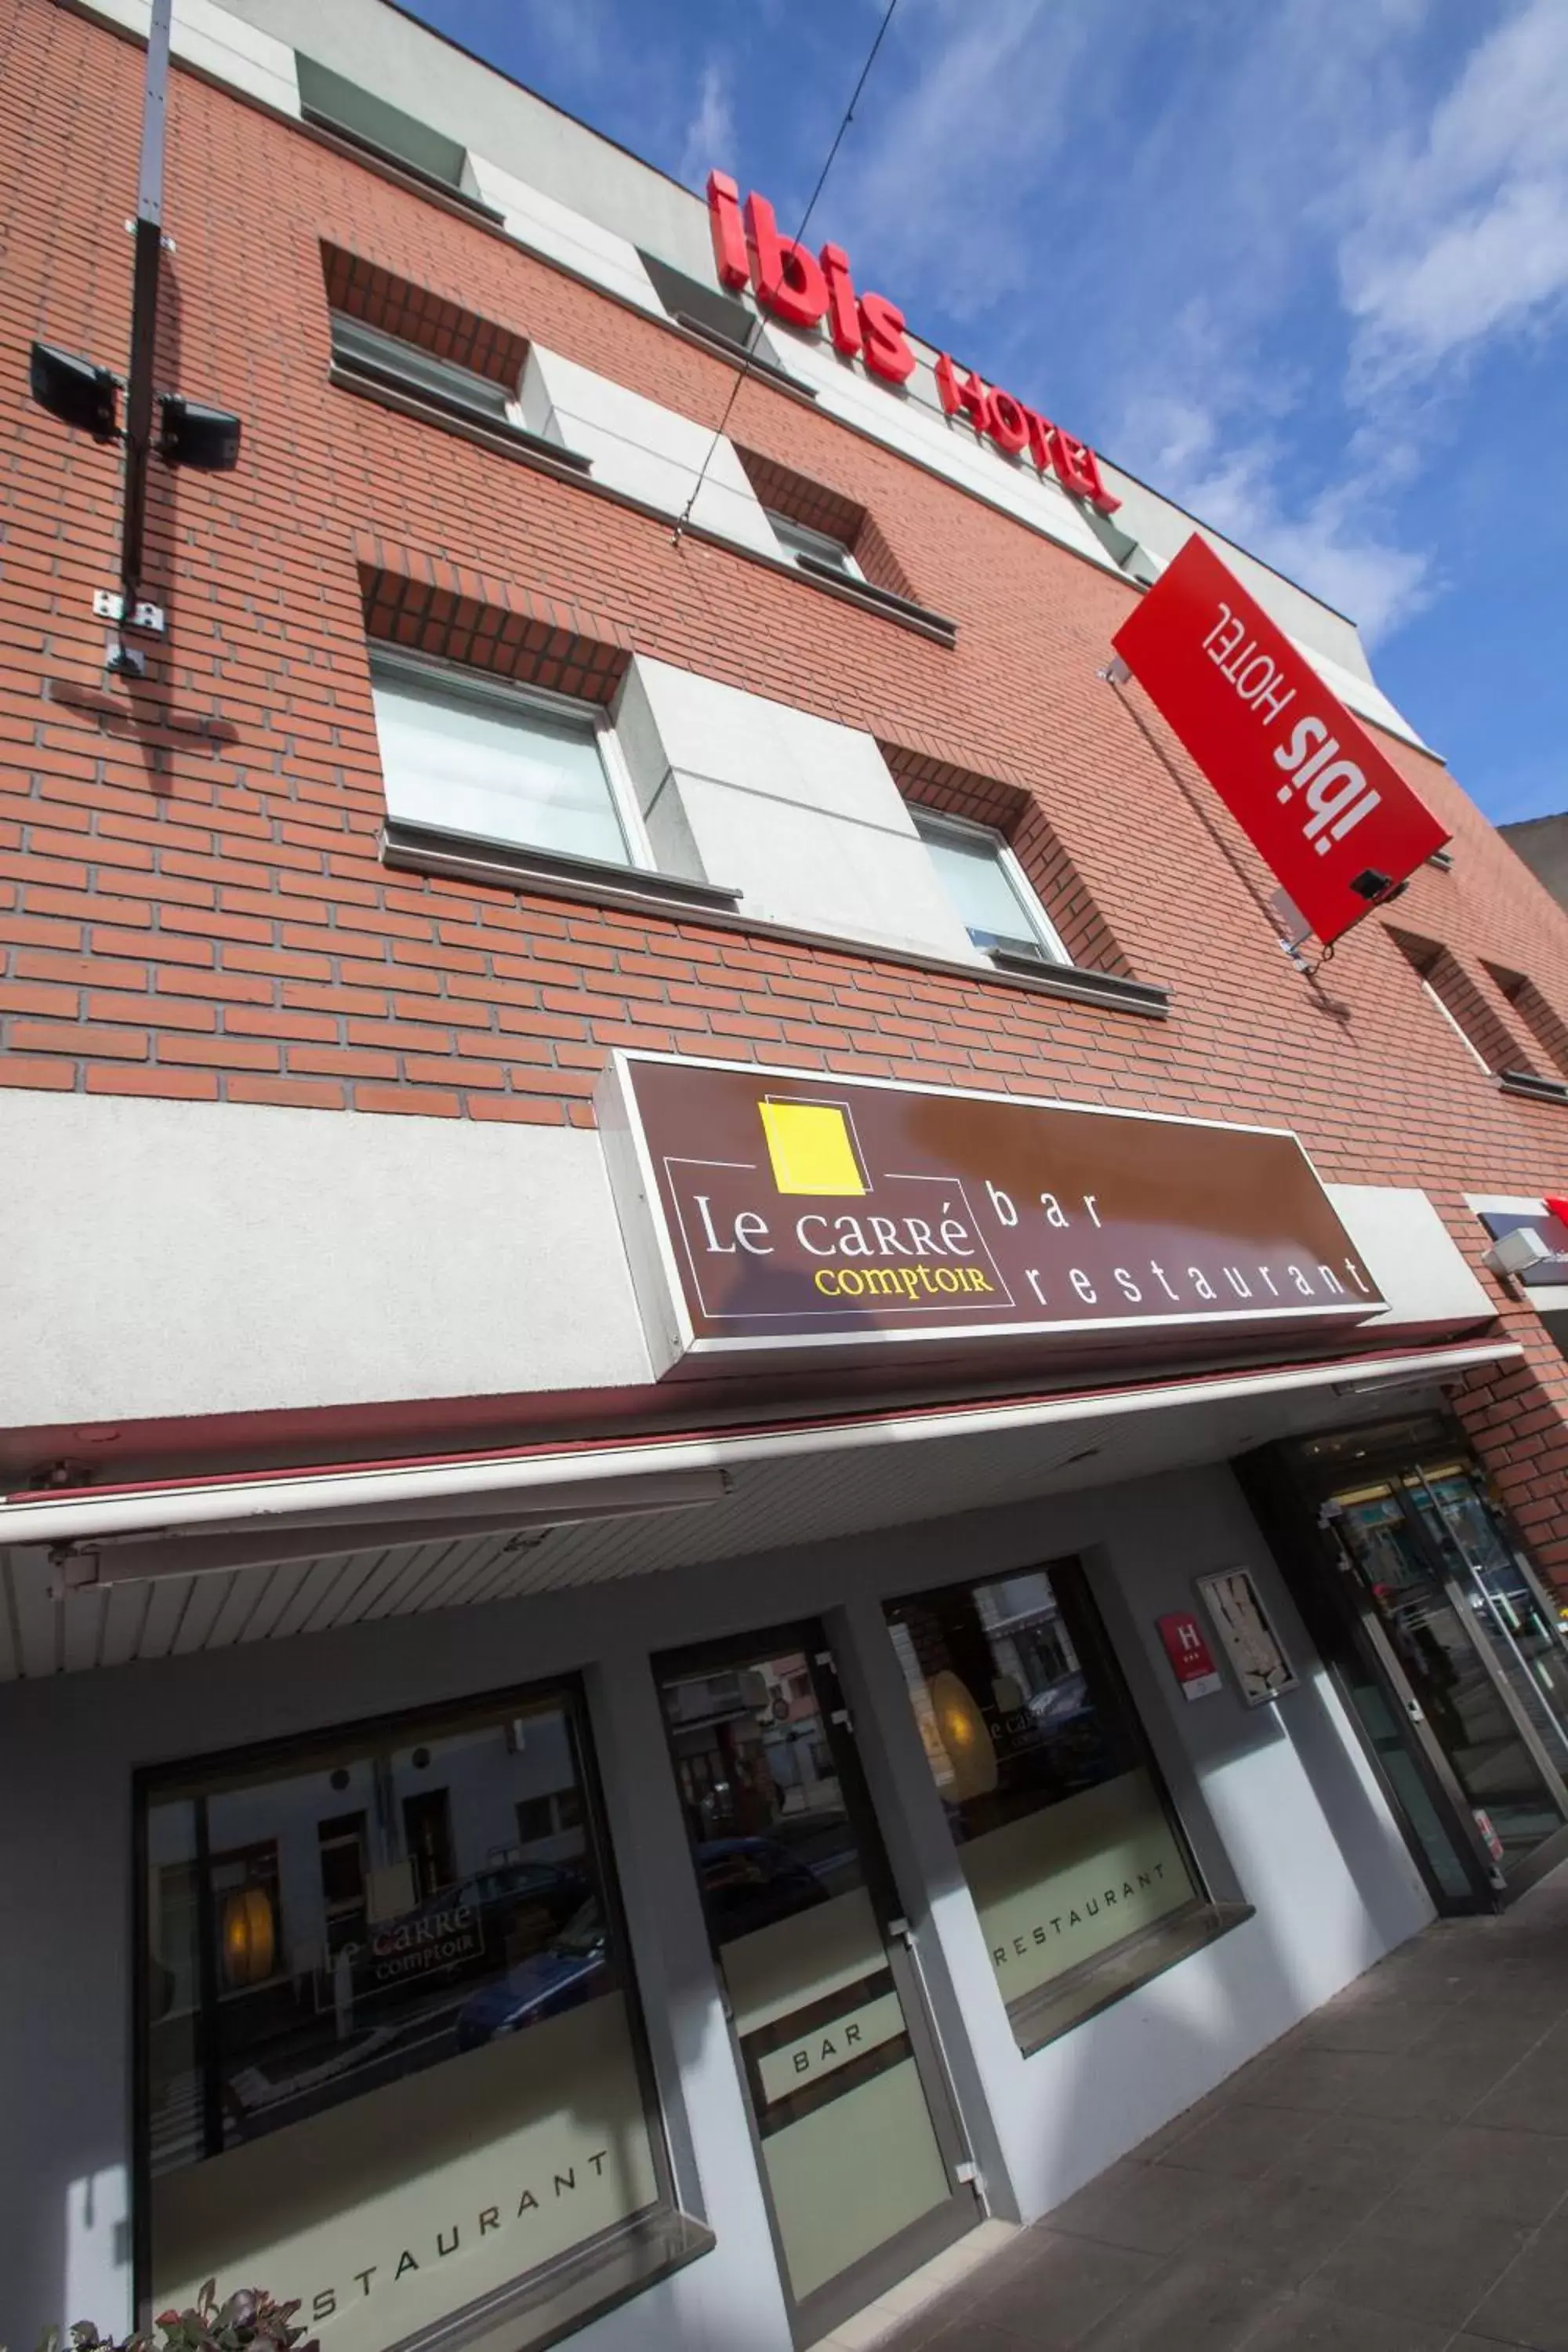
471 759
1081 1877
986 886
385 2064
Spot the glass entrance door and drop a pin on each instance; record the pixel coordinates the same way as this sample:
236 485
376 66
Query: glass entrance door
1461 1630
860 2150
1520 1625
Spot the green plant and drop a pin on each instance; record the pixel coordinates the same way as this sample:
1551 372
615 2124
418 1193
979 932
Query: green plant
250 2321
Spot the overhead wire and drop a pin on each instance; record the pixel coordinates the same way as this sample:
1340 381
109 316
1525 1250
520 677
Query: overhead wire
754 337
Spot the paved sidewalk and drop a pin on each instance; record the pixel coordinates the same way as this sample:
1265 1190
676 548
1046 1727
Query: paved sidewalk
1393 2176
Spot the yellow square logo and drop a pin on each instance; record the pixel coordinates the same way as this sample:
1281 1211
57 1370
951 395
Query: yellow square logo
810 1148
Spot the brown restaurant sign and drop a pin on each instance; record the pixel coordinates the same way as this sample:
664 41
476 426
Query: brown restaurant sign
772 1213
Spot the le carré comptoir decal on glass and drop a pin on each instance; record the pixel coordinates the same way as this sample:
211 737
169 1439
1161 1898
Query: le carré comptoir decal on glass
787 1208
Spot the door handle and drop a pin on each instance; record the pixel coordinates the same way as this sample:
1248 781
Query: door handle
1413 1709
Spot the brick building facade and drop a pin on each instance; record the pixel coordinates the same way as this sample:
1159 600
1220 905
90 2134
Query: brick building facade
200 906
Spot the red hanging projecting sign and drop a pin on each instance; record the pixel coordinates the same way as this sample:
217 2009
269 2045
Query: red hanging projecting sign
1335 818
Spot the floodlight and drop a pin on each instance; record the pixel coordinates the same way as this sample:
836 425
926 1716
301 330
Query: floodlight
195 435
75 391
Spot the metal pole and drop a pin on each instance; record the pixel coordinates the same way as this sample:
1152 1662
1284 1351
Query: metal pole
148 232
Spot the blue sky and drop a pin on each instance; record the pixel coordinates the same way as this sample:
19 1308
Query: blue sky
1304 265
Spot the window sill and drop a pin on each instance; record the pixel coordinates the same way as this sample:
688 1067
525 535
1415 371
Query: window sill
581 2286
879 600
1073 980
468 424
1041 2017
544 874
1534 1090
414 849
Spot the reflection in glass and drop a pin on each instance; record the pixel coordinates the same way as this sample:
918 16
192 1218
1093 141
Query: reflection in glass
1063 1832
849 2150
343 1950
1511 1613
1506 1789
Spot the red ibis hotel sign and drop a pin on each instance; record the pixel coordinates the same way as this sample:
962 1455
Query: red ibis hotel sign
809 289
1333 817
779 1212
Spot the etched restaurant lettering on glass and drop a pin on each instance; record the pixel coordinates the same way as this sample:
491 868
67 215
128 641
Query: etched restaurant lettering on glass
389 2053
1064 1834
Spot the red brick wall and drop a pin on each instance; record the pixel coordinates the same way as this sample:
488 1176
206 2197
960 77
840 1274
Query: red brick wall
191 902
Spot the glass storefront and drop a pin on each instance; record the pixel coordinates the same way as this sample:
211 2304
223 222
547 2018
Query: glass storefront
1081 1877
850 2106
390 2055
1442 1638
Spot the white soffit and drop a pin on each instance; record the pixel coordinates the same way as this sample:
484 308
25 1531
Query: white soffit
788 1488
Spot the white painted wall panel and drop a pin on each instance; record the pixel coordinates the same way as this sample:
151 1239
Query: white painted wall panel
642 449
1413 1259
564 236
221 44
171 1259
800 814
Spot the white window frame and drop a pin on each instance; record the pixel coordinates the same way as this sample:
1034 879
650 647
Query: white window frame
1047 937
430 670
1460 1031
798 539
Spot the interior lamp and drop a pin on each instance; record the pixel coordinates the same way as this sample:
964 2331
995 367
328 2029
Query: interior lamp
965 1736
249 1938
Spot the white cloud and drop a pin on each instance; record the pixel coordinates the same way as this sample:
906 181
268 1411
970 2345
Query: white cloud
1331 543
710 133
936 175
1464 233
1252 240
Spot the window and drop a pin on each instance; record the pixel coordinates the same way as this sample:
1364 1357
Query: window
986 886
556 1815
1078 1869
495 763
334 104
369 351
816 546
1479 1023
1539 1016
1458 1026
708 312
382 2064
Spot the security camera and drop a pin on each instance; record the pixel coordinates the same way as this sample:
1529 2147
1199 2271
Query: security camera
1520 1251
